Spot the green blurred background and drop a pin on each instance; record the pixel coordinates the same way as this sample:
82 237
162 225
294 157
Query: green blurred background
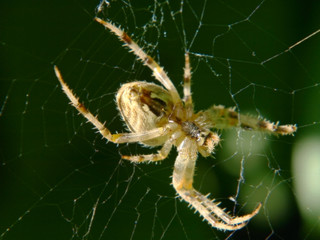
60 180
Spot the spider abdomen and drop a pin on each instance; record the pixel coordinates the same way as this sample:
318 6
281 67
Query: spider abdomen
144 106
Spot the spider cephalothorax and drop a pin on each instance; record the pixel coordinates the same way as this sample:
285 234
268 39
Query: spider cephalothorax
157 116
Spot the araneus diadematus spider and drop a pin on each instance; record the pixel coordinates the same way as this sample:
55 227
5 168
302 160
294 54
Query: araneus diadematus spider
158 116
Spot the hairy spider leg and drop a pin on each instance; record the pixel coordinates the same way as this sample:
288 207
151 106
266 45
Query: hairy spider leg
227 117
160 155
187 96
182 180
115 138
158 71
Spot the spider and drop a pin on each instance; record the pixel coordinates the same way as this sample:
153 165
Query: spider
157 116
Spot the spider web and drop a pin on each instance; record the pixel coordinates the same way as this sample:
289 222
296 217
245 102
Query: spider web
60 180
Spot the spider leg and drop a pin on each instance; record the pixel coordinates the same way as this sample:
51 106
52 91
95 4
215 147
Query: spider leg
115 138
160 155
187 97
158 71
212 213
182 180
222 118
